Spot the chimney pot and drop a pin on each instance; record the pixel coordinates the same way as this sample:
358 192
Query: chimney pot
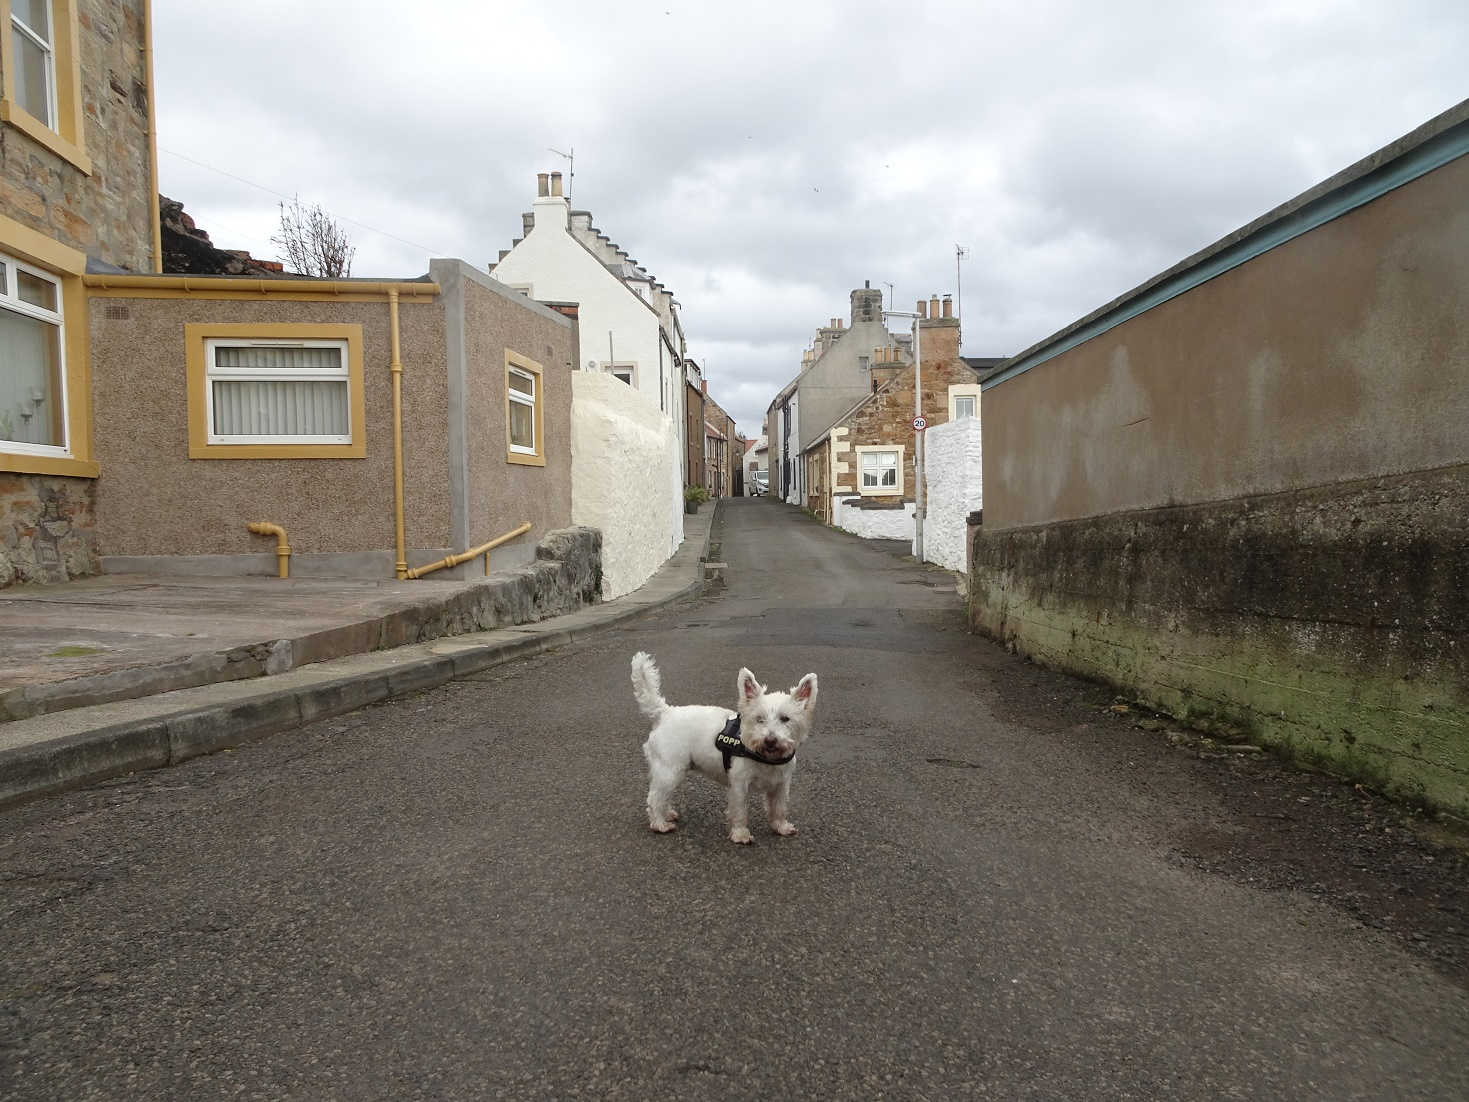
933 306
543 185
948 307
555 183
922 310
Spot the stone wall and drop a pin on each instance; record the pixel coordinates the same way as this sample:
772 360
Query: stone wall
108 214
873 519
952 464
47 528
1327 622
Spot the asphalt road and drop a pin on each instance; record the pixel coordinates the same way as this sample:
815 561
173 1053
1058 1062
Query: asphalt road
1001 888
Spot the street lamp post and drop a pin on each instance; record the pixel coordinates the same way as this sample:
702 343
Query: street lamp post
918 512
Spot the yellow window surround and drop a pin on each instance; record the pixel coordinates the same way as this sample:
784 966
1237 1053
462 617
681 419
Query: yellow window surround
195 338
530 367
67 138
26 244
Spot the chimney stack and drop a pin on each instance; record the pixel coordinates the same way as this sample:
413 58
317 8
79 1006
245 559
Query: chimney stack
948 307
555 183
543 186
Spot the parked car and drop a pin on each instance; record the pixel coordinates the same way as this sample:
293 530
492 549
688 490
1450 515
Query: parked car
759 484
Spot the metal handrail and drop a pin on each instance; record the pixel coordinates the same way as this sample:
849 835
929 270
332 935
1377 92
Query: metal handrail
464 556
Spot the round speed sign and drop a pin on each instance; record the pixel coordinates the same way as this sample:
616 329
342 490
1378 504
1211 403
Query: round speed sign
920 423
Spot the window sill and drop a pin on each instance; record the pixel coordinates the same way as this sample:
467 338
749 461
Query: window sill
525 460
39 132
278 451
22 463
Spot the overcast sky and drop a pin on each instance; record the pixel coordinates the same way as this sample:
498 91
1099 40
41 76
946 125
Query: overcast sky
762 159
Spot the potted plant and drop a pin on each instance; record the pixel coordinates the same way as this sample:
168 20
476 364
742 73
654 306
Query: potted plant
693 497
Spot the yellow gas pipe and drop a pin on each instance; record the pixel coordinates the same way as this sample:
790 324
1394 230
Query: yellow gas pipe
473 553
395 365
282 548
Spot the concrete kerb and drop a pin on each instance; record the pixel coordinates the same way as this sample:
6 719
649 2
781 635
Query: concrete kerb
189 722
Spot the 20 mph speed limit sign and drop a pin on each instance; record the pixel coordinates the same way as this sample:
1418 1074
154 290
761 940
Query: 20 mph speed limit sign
920 423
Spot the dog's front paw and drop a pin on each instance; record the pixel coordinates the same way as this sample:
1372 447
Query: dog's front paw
661 827
741 836
784 829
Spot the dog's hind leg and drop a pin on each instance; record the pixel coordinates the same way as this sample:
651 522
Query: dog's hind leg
662 783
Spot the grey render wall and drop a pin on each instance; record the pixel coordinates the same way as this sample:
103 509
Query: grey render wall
837 381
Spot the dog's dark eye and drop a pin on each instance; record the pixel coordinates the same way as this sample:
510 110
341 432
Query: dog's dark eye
785 719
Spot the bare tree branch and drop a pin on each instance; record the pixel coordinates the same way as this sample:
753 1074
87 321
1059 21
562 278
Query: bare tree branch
313 243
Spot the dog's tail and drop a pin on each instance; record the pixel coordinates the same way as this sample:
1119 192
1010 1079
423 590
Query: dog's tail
647 686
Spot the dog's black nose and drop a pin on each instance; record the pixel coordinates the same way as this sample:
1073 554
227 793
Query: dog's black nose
770 742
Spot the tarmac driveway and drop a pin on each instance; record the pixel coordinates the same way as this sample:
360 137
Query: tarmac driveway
1001 888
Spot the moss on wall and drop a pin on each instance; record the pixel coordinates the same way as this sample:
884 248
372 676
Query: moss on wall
1329 623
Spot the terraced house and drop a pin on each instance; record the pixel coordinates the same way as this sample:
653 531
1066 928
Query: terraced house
78 181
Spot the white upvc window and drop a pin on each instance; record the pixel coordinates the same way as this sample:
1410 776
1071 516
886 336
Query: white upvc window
521 390
627 372
963 406
32 366
278 392
879 470
33 54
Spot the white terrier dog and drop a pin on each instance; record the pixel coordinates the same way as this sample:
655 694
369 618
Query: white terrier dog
751 748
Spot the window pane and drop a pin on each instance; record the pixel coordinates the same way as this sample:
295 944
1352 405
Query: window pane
280 408
35 290
522 425
34 14
3 284
523 383
32 85
964 407
890 477
30 381
267 357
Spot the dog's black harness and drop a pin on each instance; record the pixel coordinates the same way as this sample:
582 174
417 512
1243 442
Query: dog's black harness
728 743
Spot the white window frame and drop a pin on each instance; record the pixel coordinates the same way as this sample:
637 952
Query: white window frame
213 373
879 491
48 46
617 368
527 400
963 390
10 300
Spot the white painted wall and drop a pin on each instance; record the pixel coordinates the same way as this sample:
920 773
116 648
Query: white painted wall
797 494
874 524
559 268
624 467
955 489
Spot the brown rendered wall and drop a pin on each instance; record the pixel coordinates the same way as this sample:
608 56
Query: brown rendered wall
109 214
504 495
1249 506
152 499
1339 355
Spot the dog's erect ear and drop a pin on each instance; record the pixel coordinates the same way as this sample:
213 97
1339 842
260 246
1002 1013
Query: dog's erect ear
749 688
804 694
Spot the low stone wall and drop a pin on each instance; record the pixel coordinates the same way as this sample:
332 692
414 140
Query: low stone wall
1328 623
953 468
48 528
566 575
873 522
625 479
